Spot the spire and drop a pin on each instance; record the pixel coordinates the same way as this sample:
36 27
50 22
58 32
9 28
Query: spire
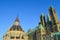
17 19
42 18
53 15
52 9
16 25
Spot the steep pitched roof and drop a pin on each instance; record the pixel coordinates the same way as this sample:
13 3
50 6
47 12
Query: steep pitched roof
16 25
37 28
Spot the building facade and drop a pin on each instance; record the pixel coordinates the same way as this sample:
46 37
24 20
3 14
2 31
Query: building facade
15 32
47 29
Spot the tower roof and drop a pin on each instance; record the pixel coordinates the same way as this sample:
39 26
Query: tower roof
52 9
42 14
35 29
17 19
16 25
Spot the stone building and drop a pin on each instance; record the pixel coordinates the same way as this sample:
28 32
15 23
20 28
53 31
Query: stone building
15 32
47 29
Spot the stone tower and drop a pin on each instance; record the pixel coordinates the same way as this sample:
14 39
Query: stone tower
53 15
49 24
54 20
15 32
43 21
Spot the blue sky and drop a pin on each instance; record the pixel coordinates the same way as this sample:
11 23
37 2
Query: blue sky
28 11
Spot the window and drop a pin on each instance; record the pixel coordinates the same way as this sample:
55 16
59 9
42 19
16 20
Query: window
43 38
12 37
17 37
22 37
59 27
43 30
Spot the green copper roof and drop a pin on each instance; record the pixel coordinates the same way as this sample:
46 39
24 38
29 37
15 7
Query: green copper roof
35 29
57 33
40 26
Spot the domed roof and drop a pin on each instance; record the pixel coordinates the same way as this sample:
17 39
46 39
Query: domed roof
16 25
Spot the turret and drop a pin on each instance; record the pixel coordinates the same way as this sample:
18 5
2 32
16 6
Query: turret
42 18
53 15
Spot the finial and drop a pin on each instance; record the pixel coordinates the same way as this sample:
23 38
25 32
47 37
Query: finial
17 19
